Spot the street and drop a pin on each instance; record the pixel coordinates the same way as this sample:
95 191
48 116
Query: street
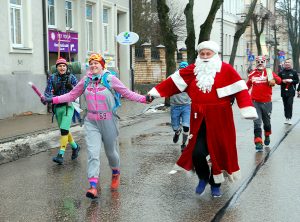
36 189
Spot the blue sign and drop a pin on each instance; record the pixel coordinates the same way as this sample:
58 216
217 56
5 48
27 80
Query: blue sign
251 58
281 57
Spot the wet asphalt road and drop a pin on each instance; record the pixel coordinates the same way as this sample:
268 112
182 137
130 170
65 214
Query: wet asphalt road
36 189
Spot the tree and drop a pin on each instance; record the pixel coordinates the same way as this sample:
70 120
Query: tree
145 22
292 14
241 28
191 38
206 27
259 19
168 36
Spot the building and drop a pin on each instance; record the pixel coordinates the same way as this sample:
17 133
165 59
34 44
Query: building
36 32
263 8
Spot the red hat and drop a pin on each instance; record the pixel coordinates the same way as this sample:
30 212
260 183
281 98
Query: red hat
97 57
61 60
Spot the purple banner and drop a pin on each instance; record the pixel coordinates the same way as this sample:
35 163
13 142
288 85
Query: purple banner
64 40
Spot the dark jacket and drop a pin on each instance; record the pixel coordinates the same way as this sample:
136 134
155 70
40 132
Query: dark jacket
288 89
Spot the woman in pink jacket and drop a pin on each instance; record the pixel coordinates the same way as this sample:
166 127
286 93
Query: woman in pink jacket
101 122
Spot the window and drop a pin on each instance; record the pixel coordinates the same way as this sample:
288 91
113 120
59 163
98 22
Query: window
105 30
68 8
16 22
51 13
89 27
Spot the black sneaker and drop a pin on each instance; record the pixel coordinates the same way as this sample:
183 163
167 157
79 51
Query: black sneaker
267 140
259 147
75 152
176 135
58 159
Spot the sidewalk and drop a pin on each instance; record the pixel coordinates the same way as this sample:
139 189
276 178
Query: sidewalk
20 126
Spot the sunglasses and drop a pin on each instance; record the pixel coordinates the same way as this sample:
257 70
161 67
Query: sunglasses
260 62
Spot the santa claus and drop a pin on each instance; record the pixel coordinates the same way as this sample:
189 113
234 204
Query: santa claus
211 85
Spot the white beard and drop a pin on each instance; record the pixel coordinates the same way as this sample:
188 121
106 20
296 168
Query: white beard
205 71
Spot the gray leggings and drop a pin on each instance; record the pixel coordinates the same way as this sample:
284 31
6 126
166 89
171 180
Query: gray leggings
264 111
96 132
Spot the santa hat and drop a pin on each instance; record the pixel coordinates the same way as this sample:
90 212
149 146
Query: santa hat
61 60
211 45
97 57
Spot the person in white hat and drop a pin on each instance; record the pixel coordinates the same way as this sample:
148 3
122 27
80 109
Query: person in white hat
211 84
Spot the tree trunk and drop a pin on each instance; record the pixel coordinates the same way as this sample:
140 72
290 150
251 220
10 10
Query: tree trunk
240 31
257 32
169 38
293 20
206 27
191 38
276 61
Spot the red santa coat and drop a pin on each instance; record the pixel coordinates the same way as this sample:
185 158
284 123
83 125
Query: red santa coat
215 109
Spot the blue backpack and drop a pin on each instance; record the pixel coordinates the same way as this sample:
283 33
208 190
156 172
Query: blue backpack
105 82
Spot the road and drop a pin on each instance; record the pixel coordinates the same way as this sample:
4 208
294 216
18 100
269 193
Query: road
36 189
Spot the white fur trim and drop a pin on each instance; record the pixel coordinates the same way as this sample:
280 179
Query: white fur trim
154 92
235 176
179 81
231 177
211 45
232 89
219 178
249 112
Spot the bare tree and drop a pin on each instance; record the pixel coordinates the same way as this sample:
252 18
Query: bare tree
145 22
291 9
241 28
168 36
191 37
259 21
206 27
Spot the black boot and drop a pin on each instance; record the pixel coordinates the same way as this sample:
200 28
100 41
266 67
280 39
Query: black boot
75 152
176 135
58 159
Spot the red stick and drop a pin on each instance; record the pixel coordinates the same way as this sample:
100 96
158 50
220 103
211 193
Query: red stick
35 89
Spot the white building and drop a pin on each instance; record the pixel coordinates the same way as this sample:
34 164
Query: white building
224 28
33 30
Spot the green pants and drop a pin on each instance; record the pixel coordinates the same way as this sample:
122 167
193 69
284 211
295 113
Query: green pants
64 116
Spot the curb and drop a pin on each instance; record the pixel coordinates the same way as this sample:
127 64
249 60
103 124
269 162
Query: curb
28 144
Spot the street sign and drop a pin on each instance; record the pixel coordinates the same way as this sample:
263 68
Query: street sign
127 38
281 53
251 58
281 57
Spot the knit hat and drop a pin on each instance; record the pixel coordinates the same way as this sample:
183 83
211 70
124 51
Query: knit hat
183 65
97 57
61 60
211 45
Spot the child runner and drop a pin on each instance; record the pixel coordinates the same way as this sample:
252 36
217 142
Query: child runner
180 112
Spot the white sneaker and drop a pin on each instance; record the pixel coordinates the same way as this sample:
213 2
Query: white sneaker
286 121
290 122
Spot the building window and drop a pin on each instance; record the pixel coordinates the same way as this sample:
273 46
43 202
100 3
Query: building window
51 13
89 27
68 8
105 30
16 22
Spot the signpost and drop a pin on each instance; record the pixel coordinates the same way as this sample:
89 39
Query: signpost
63 41
251 58
127 38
